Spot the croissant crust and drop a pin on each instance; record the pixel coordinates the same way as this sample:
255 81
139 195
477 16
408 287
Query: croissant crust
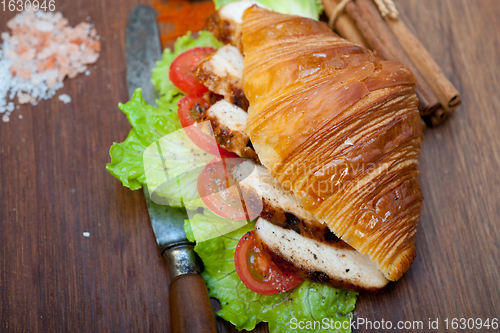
340 128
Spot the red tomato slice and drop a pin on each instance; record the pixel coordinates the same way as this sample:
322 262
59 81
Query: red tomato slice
189 112
181 70
218 191
257 271
191 108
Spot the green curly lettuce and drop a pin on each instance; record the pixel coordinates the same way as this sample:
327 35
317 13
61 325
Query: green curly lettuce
149 123
307 303
306 8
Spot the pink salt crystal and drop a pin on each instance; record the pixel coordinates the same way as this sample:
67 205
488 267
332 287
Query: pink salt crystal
61 24
63 71
46 39
72 73
75 56
16 31
93 32
90 58
62 60
40 66
46 52
71 48
82 26
5 35
51 82
11 24
23 47
67 31
24 30
28 55
96 46
5 118
24 98
62 50
50 62
33 41
24 73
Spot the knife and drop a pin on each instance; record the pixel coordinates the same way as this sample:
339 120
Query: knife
190 308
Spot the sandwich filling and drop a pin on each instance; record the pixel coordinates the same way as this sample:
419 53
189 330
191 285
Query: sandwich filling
295 238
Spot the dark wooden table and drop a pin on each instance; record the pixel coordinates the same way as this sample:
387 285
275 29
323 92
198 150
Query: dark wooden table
54 187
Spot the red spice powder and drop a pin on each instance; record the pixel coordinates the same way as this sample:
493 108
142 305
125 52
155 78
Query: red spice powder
183 15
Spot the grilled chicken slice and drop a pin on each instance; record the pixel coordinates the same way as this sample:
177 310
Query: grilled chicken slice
226 23
278 203
297 241
341 267
228 123
222 73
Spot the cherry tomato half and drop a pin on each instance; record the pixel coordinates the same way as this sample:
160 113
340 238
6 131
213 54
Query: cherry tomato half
181 70
257 271
191 108
218 191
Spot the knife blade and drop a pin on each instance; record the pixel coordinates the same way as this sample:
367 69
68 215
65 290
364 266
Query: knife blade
190 308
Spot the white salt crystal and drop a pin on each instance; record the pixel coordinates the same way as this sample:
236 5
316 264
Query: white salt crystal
5 118
86 234
87 72
5 35
10 107
20 116
65 98
44 26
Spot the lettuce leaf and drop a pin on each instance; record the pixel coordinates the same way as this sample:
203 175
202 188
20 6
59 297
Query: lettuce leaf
244 308
306 8
150 123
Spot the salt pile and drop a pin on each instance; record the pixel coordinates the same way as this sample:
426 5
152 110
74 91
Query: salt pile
40 52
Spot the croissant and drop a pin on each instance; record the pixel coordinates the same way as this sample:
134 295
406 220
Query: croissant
338 127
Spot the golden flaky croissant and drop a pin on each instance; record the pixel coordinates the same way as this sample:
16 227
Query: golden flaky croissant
338 127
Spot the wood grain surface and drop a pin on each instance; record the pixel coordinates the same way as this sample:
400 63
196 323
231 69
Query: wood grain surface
54 186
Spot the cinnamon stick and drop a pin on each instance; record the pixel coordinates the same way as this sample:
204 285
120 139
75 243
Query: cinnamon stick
436 118
344 25
447 94
381 39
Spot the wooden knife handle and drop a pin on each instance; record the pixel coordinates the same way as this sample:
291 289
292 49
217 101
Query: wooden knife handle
190 307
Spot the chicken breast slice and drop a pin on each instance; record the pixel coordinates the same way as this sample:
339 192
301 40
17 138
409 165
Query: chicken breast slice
279 205
228 124
294 237
343 268
226 23
255 179
222 73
